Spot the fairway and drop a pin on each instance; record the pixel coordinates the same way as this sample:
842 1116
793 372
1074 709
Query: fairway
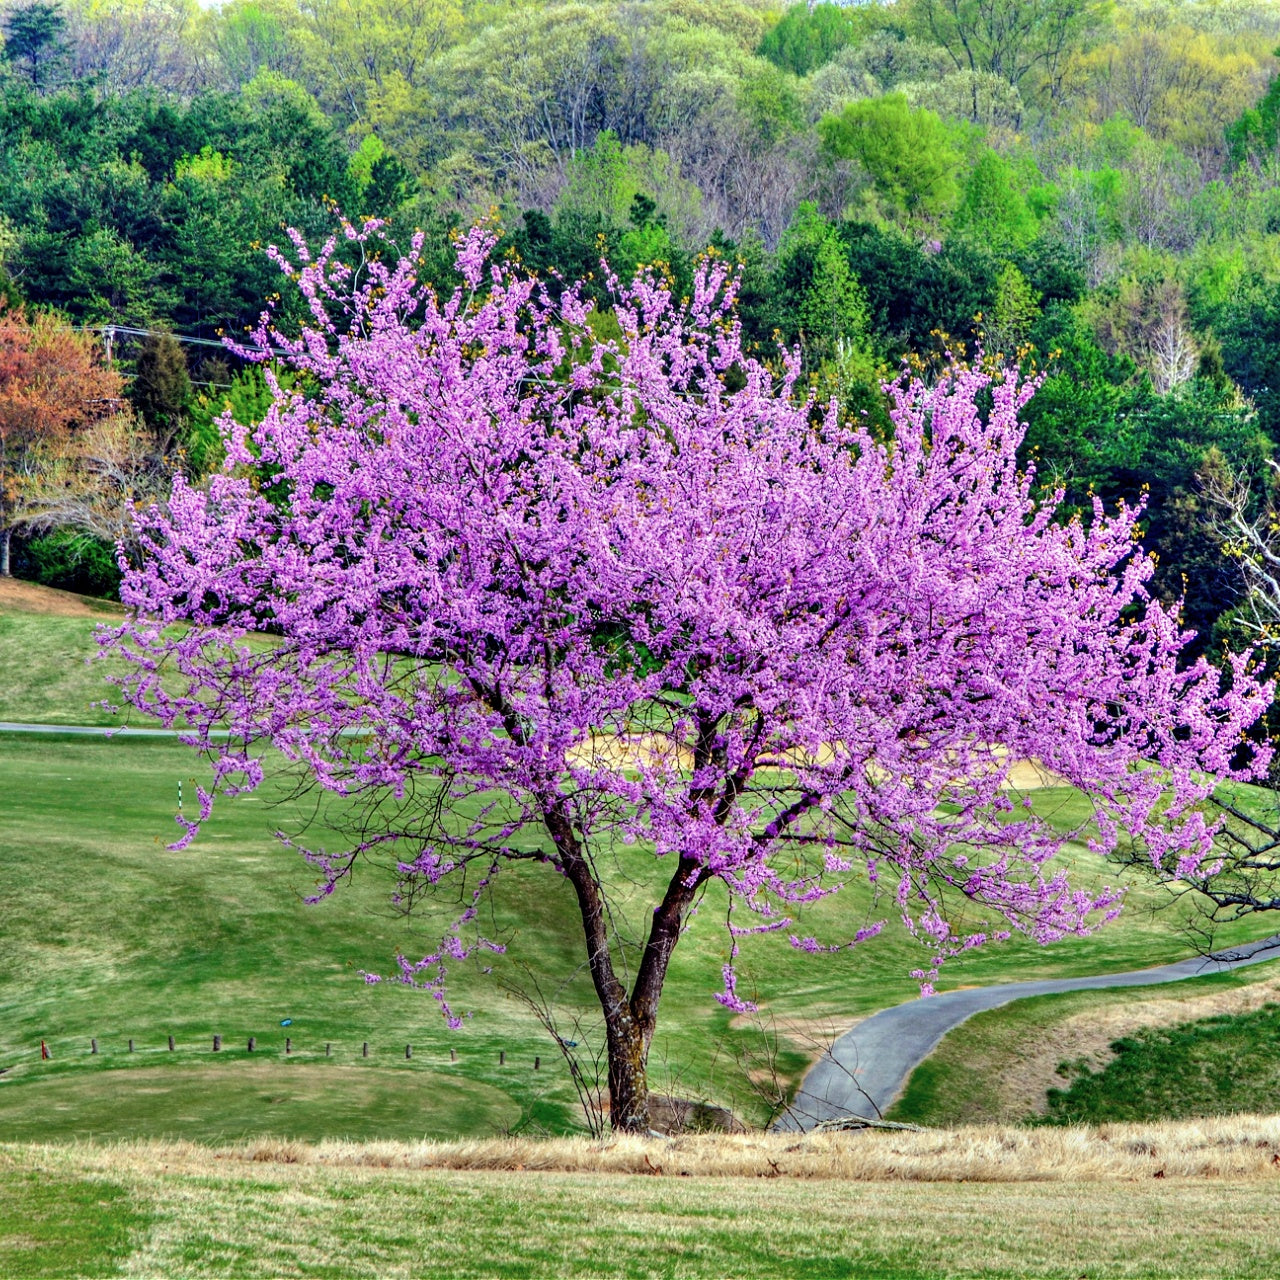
109 936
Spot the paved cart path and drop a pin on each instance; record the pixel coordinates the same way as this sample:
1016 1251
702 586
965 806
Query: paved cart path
97 731
867 1067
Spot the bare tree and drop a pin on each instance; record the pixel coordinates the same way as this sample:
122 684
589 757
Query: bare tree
1247 526
1244 878
97 479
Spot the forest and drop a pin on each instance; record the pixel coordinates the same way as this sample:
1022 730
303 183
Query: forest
1089 189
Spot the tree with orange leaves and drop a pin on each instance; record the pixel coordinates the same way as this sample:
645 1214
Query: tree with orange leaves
52 383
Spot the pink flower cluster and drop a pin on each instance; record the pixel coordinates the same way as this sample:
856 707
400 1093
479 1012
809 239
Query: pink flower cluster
526 590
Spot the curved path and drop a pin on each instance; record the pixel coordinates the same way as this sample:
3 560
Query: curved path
97 731
866 1068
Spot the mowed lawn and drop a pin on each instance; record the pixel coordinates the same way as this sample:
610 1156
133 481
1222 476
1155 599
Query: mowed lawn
109 936
78 1211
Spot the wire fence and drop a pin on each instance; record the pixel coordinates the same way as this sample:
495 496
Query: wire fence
64 1049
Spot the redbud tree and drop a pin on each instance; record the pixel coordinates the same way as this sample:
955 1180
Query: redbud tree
539 597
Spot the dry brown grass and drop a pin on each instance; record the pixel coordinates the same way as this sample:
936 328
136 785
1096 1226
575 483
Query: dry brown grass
995 1204
1233 1147
29 597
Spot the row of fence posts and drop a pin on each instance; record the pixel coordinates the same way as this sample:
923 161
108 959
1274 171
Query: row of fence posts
252 1047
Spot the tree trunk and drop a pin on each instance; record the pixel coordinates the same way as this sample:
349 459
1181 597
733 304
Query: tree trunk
629 1020
6 536
628 1076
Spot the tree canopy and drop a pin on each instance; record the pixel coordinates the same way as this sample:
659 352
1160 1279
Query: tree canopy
542 596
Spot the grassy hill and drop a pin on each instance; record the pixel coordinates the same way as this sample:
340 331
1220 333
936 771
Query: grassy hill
110 936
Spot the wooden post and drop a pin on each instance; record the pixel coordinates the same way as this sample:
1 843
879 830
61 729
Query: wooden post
170 1044
537 1064
288 1045
502 1057
252 1042
217 1043
130 1046
453 1055
364 1053
408 1051
326 1050
93 1046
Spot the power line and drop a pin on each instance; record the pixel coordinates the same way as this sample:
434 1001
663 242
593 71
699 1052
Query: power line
110 330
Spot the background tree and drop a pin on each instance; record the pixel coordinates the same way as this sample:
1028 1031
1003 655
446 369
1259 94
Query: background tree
161 388
33 40
1013 39
905 151
601 608
808 37
51 380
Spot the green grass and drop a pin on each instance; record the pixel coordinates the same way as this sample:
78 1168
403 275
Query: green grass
1213 1066
188 1214
958 1082
54 1225
107 934
48 673
236 1096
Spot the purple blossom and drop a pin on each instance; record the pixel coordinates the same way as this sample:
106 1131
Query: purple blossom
537 596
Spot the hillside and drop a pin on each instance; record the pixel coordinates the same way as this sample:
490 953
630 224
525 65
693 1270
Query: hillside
111 937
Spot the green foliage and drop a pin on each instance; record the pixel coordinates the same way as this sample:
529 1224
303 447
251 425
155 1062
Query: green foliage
247 400
906 152
1219 1065
993 210
161 388
771 100
1021 41
72 561
33 38
613 206
808 38
208 166
817 290
1081 423
1015 309
1256 132
917 290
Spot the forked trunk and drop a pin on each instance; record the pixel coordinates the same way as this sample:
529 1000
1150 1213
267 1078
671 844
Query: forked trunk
629 1019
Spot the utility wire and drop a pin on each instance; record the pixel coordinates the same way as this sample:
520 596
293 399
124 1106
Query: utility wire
109 330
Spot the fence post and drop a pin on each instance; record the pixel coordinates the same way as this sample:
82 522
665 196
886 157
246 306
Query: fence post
453 1055
408 1051
93 1046
537 1064
217 1043
170 1044
130 1046
326 1050
251 1043
502 1057
364 1053
288 1045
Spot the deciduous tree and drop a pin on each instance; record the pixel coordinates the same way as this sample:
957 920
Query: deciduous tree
51 381
543 598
